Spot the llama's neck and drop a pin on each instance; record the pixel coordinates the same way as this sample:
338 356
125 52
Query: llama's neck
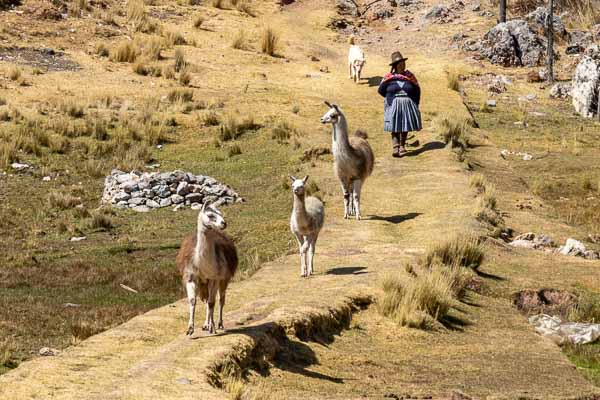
203 241
341 144
299 209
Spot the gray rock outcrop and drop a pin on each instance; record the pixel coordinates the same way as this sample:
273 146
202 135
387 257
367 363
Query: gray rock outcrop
347 7
513 43
144 192
586 83
537 19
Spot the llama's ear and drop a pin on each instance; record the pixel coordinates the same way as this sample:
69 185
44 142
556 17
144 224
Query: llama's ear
328 104
292 178
305 179
335 106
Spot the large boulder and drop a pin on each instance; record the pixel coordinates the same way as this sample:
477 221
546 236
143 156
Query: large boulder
537 20
513 43
579 41
347 7
586 83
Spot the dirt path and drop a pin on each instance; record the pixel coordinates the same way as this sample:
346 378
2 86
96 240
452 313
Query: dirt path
408 205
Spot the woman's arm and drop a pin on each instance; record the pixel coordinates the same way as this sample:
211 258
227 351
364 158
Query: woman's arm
382 90
417 94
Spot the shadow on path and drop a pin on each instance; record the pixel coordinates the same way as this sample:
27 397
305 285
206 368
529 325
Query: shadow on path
374 80
426 147
347 271
395 219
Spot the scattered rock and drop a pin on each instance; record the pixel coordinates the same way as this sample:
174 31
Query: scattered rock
47 179
544 301
579 41
538 20
476 7
347 7
78 238
572 248
145 191
513 43
499 84
586 83
491 103
48 352
19 166
439 13
534 77
531 240
43 58
184 381
560 91
72 305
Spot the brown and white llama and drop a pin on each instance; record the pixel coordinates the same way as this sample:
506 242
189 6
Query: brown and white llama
352 156
306 222
207 260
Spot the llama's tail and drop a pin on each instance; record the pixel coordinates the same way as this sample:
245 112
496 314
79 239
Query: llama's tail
361 134
351 39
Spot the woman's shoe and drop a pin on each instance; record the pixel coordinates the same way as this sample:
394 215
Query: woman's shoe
401 151
396 152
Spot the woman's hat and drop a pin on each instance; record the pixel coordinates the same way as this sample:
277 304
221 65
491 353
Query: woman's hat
397 57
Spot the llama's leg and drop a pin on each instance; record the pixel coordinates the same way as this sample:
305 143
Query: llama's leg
351 75
346 190
357 76
357 187
351 205
311 253
210 307
300 240
190 287
304 255
222 290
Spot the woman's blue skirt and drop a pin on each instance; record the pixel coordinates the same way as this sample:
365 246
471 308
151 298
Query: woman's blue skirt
402 115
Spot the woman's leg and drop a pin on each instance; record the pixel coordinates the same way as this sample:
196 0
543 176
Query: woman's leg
404 136
396 144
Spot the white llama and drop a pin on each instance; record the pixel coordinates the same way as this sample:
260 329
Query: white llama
207 260
306 222
356 62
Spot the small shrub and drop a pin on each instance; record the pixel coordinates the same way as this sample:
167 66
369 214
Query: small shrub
8 154
140 69
453 81
59 145
125 51
102 50
269 41
587 309
101 221
232 128
239 41
282 132
180 95
211 119
180 62
478 182
14 73
63 201
234 150
463 250
296 109
454 132
185 78
174 38
198 21
243 6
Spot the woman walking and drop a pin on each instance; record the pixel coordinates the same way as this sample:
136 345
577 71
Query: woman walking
401 106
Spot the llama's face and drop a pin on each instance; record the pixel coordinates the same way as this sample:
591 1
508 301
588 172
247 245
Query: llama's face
212 218
332 116
298 185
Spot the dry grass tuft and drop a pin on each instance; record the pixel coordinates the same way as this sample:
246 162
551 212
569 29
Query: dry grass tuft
180 62
180 95
63 201
198 21
461 250
478 182
174 38
240 40
8 153
138 18
15 73
141 69
211 119
587 309
232 128
234 388
126 51
185 77
453 81
101 221
152 48
243 6
269 41
282 132
93 168
72 108
220 4
81 330
454 131
234 150
102 50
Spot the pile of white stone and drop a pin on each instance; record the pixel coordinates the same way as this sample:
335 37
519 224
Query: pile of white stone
145 191
572 247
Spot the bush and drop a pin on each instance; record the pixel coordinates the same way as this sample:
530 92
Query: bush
102 50
101 221
234 150
463 250
14 73
453 81
232 128
180 63
269 41
198 21
125 51
63 201
180 95
454 132
239 41
185 78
